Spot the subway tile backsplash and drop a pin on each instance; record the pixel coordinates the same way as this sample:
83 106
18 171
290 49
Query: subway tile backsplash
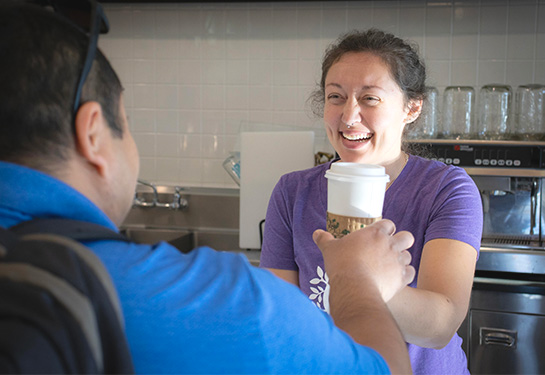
195 74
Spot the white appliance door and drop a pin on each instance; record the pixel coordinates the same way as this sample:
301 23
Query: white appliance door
264 158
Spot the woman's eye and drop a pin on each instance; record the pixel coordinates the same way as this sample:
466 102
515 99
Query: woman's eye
334 98
370 100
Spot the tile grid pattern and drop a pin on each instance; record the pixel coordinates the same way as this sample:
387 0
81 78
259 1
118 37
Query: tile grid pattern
195 75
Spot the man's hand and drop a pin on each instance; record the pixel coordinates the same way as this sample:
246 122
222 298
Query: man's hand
366 268
372 255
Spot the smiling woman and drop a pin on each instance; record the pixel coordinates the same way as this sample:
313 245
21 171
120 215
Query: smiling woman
360 91
372 86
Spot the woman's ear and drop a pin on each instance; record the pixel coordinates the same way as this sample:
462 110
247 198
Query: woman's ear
92 136
414 110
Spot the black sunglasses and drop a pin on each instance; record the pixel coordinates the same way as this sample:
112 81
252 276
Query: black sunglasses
90 18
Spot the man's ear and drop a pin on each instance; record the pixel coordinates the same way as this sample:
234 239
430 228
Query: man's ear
415 108
92 136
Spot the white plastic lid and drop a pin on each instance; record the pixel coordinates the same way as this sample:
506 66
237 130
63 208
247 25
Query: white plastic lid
345 171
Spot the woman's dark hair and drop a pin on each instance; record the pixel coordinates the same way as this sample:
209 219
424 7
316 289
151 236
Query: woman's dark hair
406 67
42 57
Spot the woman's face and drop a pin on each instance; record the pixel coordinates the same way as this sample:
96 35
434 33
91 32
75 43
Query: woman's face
360 92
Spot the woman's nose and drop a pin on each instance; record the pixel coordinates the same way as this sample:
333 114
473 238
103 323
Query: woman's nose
351 112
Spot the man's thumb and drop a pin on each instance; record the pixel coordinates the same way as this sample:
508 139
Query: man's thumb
320 237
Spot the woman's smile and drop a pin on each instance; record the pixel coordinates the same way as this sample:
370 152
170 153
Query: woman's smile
356 137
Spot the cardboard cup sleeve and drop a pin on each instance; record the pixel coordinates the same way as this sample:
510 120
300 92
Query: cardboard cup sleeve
339 225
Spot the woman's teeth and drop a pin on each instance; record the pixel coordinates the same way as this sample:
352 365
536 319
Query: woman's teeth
357 137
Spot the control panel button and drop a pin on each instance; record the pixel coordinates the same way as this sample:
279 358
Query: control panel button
455 161
501 162
448 160
493 162
509 163
478 162
516 163
486 162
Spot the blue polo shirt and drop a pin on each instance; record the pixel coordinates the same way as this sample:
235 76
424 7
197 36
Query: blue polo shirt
202 312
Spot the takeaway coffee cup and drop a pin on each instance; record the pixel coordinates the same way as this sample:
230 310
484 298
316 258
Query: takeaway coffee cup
355 196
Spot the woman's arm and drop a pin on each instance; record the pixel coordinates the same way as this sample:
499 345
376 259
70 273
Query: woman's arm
431 313
287 275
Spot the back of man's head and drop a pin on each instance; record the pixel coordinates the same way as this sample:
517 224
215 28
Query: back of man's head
42 58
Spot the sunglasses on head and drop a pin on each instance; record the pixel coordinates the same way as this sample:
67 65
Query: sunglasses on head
90 18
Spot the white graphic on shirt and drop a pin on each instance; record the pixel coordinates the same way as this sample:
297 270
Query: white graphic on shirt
320 293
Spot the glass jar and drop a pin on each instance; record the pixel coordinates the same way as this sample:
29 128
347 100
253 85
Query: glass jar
529 121
494 112
426 125
458 112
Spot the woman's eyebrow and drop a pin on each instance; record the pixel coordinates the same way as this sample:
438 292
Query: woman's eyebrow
334 84
365 87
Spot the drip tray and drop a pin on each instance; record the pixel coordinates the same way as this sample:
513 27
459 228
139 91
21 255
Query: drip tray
526 257
524 242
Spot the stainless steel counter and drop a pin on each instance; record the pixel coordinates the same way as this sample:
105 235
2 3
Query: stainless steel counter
210 218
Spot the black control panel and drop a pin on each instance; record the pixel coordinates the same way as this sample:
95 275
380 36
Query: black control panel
489 154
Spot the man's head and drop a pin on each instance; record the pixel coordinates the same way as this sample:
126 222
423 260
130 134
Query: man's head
42 58
42 55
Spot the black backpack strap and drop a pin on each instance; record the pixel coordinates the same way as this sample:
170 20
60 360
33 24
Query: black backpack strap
39 265
75 229
7 239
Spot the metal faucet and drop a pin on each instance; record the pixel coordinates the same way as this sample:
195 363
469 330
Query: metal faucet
178 202
142 203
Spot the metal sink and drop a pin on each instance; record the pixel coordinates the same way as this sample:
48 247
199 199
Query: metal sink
183 240
186 240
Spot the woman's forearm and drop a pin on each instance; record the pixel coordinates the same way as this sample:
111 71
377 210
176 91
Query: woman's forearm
430 314
425 318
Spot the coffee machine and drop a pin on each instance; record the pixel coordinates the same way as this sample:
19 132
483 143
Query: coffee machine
509 175
504 331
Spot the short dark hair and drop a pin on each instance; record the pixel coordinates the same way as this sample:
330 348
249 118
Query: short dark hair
42 57
404 63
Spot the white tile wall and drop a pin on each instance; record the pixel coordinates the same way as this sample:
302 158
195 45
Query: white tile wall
195 74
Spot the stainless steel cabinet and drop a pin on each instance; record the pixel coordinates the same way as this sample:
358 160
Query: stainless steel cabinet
504 332
506 343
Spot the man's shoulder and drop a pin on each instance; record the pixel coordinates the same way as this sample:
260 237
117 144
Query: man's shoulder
203 266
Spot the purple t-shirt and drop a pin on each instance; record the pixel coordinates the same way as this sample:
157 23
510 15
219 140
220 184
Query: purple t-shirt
429 199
